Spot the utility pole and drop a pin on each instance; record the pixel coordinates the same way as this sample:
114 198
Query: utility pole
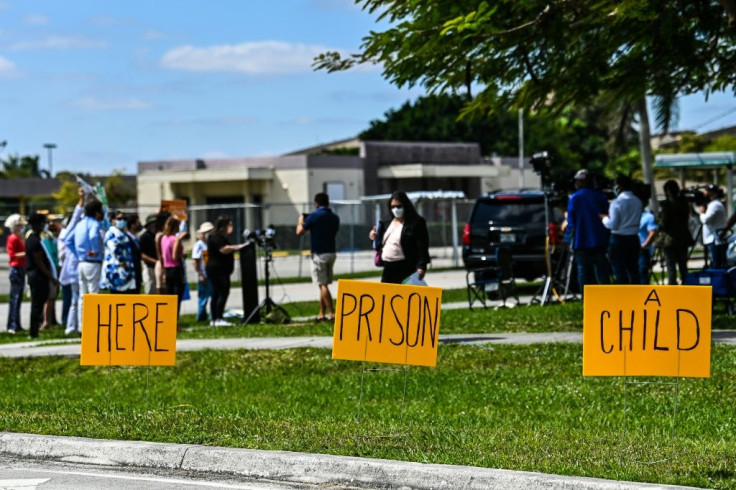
521 149
49 147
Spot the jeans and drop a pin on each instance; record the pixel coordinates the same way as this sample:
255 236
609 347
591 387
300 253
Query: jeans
675 258
17 281
624 254
204 291
72 320
592 267
717 255
39 284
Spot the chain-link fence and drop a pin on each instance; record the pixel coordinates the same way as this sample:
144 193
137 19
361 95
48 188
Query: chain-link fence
445 220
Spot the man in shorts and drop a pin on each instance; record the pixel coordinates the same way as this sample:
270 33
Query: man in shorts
323 225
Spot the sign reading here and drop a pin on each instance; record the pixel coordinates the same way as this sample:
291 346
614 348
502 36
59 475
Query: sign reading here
389 323
129 330
647 331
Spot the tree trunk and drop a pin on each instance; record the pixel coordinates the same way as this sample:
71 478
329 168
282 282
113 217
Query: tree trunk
645 146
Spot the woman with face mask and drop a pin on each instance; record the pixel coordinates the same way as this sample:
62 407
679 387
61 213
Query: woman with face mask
403 241
118 267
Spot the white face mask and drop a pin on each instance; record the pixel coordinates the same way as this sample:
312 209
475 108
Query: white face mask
397 212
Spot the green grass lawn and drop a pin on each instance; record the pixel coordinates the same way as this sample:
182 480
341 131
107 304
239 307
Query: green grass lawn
515 407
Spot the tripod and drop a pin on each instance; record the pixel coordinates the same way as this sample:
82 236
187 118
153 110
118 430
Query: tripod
267 307
552 279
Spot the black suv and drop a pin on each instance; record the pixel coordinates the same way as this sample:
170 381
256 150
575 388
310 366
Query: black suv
515 219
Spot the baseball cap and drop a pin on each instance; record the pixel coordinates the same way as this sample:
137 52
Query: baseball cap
582 174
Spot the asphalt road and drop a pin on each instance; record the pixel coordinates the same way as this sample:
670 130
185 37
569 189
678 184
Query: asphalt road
28 474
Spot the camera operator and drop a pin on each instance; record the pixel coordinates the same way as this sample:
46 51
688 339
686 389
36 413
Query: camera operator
220 265
713 217
323 224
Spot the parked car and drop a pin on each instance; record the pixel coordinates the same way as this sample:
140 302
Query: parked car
514 219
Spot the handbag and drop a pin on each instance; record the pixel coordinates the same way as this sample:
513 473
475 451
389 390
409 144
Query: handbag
663 240
377 260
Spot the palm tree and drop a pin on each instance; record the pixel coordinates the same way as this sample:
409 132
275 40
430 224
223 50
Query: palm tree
15 166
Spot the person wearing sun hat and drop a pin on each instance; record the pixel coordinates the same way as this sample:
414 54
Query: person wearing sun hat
199 260
17 261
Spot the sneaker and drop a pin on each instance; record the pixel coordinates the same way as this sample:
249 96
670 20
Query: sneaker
222 323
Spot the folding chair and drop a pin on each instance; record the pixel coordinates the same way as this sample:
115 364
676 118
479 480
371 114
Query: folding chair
492 281
722 281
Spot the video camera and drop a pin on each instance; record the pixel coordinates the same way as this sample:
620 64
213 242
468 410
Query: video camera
263 238
694 195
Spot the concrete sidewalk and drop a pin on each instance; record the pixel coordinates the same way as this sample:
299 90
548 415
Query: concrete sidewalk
72 347
320 470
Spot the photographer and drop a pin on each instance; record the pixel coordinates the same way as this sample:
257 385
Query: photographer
323 224
220 265
713 217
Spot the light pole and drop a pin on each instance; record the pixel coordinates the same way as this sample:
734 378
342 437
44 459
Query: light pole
49 147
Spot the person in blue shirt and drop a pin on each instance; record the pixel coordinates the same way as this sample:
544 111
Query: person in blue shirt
647 230
589 237
623 221
323 225
86 243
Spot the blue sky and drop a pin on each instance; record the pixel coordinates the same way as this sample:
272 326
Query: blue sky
115 82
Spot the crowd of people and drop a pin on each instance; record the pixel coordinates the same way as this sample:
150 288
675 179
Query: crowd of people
89 252
618 238
126 257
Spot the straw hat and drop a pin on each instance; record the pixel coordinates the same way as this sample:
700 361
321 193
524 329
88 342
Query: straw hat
206 227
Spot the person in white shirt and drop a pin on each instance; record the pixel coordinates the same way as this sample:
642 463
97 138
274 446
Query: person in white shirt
69 275
623 218
713 216
199 260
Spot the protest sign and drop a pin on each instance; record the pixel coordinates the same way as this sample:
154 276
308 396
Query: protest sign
129 330
388 323
177 208
647 331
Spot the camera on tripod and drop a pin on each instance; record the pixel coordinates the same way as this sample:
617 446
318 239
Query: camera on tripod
265 239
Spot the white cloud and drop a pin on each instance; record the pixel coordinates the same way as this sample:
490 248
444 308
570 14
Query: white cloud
94 104
254 58
7 67
215 121
36 20
58 42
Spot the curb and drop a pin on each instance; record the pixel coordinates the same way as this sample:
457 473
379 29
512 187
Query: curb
304 468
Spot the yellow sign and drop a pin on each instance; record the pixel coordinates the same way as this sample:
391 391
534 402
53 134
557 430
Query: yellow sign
129 330
177 208
389 323
647 331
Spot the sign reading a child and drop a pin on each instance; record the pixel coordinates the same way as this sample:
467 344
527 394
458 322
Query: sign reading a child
647 331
